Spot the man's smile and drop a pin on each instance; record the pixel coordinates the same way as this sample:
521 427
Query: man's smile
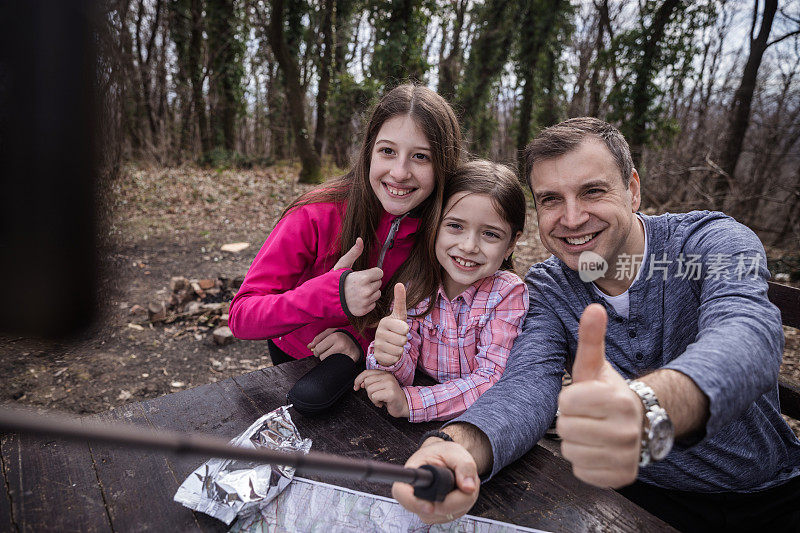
579 240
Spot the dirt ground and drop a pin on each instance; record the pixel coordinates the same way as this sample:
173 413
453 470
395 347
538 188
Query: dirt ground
165 223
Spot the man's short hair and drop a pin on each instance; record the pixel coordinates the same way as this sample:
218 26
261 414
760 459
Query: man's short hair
566 136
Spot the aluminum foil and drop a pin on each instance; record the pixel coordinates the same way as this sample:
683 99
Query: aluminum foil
225 488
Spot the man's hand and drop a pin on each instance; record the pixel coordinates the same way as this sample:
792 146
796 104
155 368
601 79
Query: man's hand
601 417
331 341
362 289
391 335
384 391
438 452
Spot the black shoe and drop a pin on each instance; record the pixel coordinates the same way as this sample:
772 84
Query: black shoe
322 386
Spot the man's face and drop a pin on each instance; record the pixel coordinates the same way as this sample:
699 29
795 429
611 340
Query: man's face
583 205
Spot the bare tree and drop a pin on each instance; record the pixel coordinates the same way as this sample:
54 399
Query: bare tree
325 65
644 71
311 166
742 101
450 65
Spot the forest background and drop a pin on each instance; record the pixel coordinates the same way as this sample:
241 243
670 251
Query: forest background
707 92
217 113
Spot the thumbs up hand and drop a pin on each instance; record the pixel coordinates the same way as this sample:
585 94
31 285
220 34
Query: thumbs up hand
601 417
391 335
347 260
362 289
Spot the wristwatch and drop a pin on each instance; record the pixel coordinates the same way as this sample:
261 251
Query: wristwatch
658 434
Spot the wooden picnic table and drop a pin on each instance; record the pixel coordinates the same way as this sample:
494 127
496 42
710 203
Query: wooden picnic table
54 485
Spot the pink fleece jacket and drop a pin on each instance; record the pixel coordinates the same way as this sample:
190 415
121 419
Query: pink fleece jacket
290 293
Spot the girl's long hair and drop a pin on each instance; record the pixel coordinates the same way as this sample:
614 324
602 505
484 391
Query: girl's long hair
434 116
502 186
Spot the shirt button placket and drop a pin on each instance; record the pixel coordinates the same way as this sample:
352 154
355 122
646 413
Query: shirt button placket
632 335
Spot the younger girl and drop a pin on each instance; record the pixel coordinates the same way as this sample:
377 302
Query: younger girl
317 282
461 334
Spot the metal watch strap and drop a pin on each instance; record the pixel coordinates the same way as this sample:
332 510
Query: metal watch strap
651 408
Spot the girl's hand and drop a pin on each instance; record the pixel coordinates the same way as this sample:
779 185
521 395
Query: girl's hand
384 391
331 341
362 289
391 335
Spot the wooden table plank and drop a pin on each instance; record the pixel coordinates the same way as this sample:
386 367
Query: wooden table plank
362 436
414 431
539 490
6 522
216 408
52 485
139 484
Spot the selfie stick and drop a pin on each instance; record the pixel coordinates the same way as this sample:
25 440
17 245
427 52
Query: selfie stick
430 482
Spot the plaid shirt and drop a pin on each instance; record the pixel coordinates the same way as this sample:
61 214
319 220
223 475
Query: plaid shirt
463 344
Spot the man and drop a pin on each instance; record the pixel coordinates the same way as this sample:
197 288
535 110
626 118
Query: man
684 301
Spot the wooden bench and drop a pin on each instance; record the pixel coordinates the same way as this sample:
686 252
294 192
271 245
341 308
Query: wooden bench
788 301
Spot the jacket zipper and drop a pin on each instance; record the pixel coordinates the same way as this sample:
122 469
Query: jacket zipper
387 245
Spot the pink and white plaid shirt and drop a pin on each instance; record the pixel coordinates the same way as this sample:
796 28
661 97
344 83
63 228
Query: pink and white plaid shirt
463 344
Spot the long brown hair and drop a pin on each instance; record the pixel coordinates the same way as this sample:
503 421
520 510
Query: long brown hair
502 186
434 116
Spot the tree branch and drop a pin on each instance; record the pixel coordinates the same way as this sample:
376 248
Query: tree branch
779 39
786 15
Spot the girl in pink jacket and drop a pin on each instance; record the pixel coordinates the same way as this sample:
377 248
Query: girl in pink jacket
316 287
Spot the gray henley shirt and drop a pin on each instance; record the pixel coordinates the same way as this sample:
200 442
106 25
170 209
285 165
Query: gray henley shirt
699 307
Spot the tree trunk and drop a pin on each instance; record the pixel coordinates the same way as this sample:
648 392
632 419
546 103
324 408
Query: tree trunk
594 82
398 55
537 27
450 66
577 105
488 54
343 104
790 232
311 167
742 101
225 59
524 119
144 66
128 95
276 113
548 115
164 116
196 76
180 31
644 72
324 75
343 33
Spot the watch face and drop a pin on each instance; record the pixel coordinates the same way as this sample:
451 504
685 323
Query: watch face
661 438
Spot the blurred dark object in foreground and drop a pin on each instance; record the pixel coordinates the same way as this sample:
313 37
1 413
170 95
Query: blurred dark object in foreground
47 154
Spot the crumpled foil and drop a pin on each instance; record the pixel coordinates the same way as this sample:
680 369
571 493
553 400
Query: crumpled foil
225 488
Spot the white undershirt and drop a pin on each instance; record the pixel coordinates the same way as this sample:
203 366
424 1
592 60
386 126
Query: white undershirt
621 303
